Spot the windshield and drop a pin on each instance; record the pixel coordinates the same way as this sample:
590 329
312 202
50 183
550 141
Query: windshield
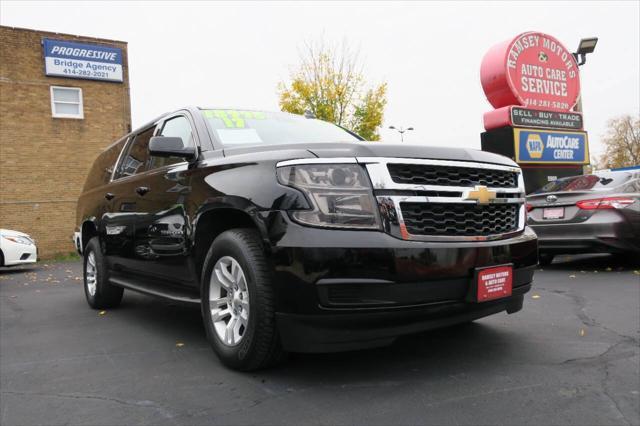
241 127
595 182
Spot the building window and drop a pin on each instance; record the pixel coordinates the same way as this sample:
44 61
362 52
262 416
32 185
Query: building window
66 102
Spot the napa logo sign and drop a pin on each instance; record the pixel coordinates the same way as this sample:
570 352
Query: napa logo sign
542 147
82 60
535 146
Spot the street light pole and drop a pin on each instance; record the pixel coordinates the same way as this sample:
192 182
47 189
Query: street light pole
401 130
586 46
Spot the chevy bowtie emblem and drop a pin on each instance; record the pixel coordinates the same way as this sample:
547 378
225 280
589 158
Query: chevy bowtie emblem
481 194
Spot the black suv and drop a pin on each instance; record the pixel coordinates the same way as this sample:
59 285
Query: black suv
294 234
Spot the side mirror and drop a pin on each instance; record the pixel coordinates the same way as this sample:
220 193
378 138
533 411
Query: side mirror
171 146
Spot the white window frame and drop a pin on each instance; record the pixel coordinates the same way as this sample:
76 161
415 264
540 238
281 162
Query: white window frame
79 116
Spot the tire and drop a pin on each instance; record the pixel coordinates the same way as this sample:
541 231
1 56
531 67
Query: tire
99 293
253 341
631 258
545 259
1 258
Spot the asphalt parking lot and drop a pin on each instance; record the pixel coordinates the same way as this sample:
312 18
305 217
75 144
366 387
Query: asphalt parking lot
571 356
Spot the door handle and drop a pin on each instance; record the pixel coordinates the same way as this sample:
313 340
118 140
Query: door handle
109 196
141 190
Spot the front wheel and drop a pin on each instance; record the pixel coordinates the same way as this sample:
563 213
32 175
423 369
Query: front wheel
238 302
99 293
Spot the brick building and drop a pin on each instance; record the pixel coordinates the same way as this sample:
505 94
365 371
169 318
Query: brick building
63 98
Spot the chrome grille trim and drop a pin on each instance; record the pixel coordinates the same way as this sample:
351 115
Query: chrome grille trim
419 174
381 178
389 205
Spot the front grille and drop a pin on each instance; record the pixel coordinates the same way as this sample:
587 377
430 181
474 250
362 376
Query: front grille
418 174
451 219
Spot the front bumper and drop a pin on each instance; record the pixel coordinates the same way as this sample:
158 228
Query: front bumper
340 290
343 332
20 254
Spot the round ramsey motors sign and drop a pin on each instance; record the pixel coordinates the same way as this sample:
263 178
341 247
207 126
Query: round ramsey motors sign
533 70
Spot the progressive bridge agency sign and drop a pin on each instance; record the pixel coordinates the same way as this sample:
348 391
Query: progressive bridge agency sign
82 60
551 147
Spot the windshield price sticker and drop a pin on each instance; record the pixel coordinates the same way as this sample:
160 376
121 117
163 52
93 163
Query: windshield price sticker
232 118
525 117
82 60
539 146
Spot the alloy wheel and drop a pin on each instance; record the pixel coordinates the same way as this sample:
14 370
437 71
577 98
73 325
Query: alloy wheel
91 274
229 301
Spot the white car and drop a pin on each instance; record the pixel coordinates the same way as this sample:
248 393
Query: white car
16 248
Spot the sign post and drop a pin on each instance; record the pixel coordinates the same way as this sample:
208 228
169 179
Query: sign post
533 83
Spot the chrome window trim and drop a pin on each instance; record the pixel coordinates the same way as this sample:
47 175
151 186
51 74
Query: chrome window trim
117 163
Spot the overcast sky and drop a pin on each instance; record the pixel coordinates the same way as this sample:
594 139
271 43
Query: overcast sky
234 54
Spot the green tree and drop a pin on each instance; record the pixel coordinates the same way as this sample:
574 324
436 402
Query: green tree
329 83
622 143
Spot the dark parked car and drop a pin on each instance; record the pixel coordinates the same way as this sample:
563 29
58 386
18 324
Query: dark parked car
293 234
595 213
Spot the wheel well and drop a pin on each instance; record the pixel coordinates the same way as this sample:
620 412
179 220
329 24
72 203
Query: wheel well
88 232
213 223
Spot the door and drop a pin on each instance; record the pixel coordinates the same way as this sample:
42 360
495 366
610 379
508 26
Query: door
162 230
124 205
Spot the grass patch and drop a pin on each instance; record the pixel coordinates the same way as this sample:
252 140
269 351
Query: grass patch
64 257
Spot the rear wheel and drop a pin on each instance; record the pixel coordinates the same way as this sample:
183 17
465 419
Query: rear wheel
99 293
238 302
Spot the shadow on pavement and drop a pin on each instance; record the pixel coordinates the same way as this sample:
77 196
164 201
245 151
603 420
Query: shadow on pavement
11 270
425 356
437 353
595 262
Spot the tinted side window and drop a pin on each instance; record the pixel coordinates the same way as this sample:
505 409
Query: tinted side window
176 127
100 172
136 159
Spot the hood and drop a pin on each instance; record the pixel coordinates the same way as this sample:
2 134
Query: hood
10 233
374 149
377 149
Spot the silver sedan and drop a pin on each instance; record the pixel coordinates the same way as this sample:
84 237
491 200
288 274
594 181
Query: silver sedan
596 213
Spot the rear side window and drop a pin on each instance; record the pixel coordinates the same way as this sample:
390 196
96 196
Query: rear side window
175 127
135 160
103 166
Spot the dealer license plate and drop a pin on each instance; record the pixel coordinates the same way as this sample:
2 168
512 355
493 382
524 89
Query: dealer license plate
494 283
553 213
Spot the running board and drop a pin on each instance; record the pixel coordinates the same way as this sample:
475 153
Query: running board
177 295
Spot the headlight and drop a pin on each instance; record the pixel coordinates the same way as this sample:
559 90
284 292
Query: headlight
18 239
340 194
